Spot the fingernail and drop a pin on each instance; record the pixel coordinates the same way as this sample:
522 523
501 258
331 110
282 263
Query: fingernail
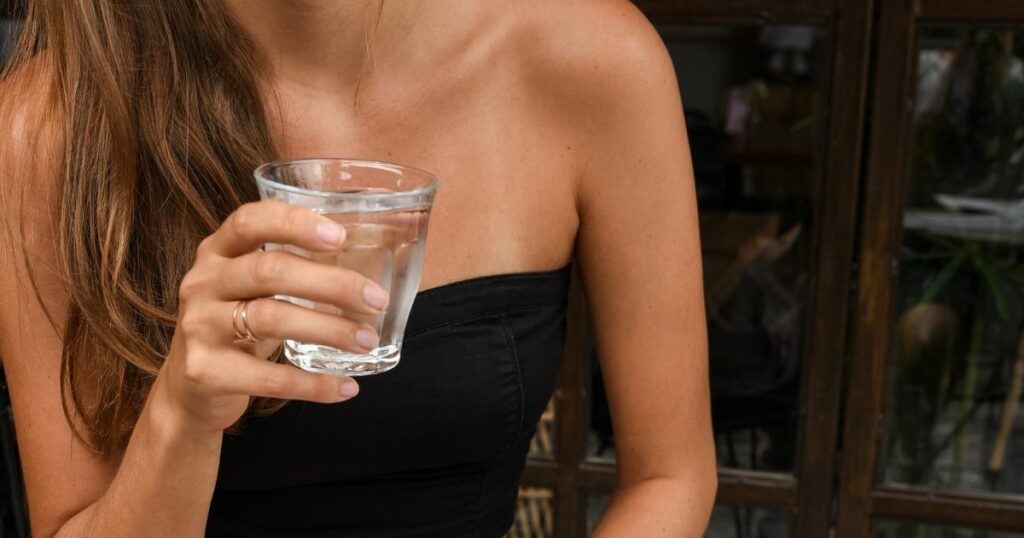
375 296
348 389
366 338
330 233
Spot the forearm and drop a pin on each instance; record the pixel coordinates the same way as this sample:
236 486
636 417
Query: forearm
163 486
659 507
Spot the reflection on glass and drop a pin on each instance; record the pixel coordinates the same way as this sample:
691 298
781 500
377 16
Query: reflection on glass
727 521
731 521
901 529
534 514
957 365
754 119
542 446
597 503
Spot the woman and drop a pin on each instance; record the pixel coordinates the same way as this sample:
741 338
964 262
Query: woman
129 133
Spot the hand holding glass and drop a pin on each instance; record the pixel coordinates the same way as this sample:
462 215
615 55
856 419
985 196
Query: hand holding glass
384 209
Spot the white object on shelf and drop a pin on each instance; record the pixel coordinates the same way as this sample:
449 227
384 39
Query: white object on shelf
994 221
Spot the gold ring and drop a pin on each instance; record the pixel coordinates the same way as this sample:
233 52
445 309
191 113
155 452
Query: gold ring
243 335
249 335
239 337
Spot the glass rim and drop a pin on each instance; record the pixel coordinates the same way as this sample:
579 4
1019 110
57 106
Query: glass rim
261 175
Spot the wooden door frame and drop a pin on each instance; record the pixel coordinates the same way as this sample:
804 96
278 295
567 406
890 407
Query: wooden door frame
836 223
861 498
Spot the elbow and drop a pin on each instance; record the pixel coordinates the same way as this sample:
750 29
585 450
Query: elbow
699 491
711 491
709 476
695 486
701 486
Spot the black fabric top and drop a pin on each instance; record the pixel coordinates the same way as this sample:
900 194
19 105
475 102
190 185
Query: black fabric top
434 447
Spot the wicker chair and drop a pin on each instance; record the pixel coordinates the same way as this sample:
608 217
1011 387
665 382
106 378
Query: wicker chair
534 507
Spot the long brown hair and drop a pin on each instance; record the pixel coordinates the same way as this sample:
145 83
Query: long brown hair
161 122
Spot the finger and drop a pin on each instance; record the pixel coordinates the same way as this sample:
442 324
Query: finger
261 274
271 221
263 349
270 318
236 372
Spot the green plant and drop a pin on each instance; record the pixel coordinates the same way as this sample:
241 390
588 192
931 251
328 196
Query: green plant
971 145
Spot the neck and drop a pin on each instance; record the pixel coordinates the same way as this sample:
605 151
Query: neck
323 44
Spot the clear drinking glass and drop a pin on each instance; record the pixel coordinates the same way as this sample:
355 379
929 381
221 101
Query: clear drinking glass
384 209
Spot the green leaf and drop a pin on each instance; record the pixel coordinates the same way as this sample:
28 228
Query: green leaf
942 255
944 277
804 123
944 242
990 273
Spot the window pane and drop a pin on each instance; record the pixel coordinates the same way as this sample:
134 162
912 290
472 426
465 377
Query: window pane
753 98
957 366
902 529
534 514
597 503
727 521
733 521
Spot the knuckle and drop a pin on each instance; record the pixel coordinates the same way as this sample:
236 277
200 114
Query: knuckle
326 390
292 219
244 220
263 316
191 326
205 247
197 368
267 267
276 385
351 286
347 331
191 285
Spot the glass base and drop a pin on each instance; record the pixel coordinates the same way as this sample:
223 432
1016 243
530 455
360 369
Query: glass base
329 360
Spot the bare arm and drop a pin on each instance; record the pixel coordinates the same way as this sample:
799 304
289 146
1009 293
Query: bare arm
162 483
640 261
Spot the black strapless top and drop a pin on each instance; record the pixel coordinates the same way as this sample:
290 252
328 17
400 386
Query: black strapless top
434 447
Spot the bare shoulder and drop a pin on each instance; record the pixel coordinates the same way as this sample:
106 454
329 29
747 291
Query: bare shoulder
30 153
28 112
593 50
600 71
29 139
